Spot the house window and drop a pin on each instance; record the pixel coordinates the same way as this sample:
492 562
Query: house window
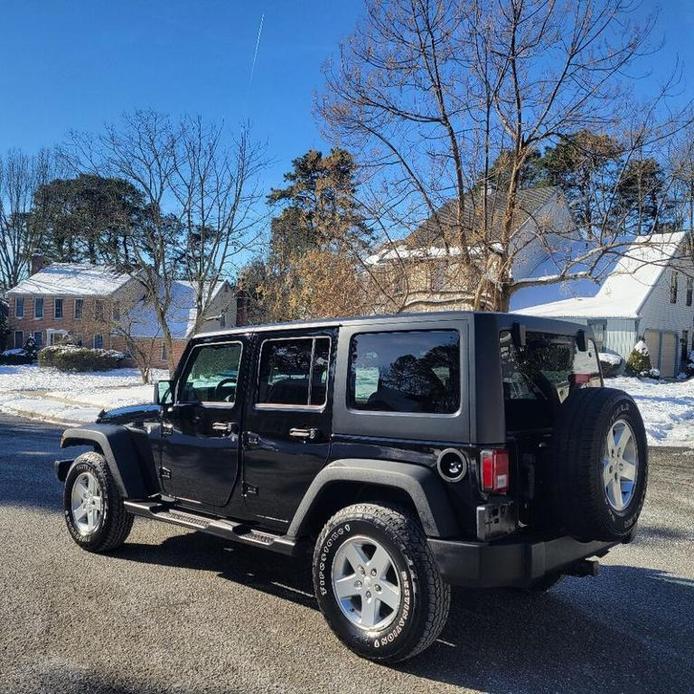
98 341
115 311
38 307
19 307
690 290
164 353
18 339
673 288
79 307
58 308
99 310
400 282
437 277
38 339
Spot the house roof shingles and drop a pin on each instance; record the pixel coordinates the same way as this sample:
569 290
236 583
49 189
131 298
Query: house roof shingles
431 232
75 279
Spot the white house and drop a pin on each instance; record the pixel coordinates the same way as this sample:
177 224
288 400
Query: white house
647 295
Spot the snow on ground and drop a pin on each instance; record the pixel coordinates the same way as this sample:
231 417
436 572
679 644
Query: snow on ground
667 408
52 395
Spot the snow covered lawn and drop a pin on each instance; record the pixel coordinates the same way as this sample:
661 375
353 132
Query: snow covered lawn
53 395
667 408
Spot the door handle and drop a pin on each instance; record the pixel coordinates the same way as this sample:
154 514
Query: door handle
252 439
225 427
167 428
304 434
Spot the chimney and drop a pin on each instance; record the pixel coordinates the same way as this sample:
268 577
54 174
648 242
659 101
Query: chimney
38 262
242 301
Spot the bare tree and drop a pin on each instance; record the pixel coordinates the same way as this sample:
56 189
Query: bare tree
433 91
198 195
215 186
20 177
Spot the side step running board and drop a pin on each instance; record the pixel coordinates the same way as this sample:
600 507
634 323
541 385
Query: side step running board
227 529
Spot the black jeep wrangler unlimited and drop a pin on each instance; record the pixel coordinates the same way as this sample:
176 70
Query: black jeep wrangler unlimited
404 453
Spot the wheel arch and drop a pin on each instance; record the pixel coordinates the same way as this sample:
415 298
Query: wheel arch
347 481
115 444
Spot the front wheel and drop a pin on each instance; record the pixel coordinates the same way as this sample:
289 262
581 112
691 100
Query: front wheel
377 583
93 506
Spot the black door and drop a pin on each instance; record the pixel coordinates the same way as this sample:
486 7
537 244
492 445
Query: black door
200 431
287 423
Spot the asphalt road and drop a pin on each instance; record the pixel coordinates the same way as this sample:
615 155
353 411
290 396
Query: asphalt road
178 612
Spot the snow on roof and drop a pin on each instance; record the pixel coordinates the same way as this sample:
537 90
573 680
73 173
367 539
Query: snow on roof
77 279
180 316
626 287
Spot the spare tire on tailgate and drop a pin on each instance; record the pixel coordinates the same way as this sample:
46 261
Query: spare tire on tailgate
599 468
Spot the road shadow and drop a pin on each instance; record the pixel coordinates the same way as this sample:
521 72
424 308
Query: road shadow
629 629
289 578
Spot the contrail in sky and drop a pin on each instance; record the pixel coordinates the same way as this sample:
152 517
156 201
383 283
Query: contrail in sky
257 45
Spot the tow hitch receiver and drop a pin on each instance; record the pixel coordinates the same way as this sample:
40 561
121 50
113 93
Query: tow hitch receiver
583 567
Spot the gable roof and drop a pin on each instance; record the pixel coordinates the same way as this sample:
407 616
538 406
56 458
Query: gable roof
627 286
529 202
180 316
74 279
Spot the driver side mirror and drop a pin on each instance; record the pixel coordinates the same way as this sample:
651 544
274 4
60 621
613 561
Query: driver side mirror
163 392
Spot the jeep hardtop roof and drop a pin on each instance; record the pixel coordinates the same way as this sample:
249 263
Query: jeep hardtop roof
503 319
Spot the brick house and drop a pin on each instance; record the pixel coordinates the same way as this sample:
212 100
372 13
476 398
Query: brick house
95 307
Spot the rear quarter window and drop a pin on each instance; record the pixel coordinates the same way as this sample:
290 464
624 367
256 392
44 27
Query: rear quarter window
405 371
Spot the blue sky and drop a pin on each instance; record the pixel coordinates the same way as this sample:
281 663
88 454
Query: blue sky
78 63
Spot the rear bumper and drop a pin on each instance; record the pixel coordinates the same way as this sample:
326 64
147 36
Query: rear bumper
507 563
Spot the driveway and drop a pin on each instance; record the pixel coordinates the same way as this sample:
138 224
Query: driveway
182 612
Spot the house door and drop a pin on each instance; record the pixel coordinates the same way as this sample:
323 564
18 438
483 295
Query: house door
668 355
652 338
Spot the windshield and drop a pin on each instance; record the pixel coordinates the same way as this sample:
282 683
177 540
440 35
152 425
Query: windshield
540 376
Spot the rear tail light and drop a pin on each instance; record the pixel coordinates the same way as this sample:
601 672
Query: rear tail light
495 471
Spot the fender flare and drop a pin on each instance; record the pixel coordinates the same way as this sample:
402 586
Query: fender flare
118 450
420 483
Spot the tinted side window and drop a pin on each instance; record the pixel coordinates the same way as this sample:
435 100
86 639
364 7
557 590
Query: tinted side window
416 371
294 372
212 375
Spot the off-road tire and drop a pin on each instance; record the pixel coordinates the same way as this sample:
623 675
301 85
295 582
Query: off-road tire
425 595
579 501
115 524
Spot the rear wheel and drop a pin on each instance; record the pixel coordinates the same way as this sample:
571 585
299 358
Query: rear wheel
94 513
377 583
600 464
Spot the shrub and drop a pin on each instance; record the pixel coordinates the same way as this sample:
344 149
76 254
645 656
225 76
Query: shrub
15 357
72 358
639 361
611 363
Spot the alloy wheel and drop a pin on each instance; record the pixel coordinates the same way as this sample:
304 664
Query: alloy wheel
366 584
